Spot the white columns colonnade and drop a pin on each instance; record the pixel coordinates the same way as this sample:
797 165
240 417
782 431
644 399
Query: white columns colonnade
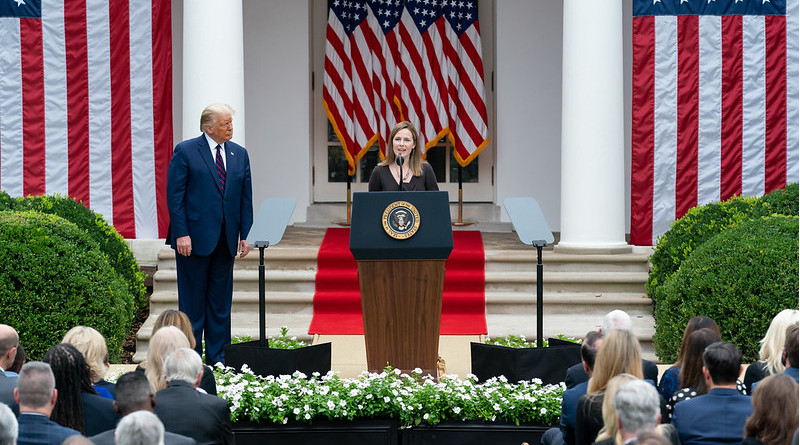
592 127
213 62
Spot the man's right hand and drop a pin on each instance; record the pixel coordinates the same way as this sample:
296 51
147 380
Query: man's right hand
184 245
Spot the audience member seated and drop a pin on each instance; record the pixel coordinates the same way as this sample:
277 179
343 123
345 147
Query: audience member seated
78 406
36 395
790 352
19 360
173 317
140 428
775 412
565 433
8 426
608 435
693 383
649 438
670 380
92 345
189 412
636 409
619 353
614 320
719 416
9 339
771 353
133 394
163 342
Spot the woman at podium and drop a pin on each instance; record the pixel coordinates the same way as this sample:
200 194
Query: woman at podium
403 160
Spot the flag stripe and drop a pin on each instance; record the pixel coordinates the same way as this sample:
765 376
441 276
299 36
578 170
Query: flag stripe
775 101
11 134
32 106
731 106
642 129
753 106
710 104
162 106
687 120
665 122
77 105
55 91
792 96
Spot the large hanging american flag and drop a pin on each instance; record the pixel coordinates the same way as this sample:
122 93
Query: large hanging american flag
419 60
715 105
86 106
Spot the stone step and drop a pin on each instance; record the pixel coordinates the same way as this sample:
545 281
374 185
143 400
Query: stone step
566 302
247 280
526 261
275 258
591 282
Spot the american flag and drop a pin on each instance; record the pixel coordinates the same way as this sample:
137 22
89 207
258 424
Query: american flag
715 105
419 60
86 106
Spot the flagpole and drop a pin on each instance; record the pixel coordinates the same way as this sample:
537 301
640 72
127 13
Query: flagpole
461 222
349 201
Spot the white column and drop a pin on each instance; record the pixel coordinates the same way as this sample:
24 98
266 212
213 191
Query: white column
592 127
213 62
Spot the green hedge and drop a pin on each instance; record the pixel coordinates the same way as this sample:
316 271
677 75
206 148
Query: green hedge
703 222
110 241
741 278
54 276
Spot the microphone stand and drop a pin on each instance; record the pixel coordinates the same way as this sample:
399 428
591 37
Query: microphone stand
400 161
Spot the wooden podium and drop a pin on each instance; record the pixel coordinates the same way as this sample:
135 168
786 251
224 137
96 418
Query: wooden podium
401 241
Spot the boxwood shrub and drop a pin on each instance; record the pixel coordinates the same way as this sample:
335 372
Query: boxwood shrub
110 241
53 276
741 277
701 223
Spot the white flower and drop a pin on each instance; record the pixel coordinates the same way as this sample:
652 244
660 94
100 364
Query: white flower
331 405
296 411
307 416
386 399
426 416
457 410
543 411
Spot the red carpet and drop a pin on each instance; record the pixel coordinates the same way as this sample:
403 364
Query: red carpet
337 300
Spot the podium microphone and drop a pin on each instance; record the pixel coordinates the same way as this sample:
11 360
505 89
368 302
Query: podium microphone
400 161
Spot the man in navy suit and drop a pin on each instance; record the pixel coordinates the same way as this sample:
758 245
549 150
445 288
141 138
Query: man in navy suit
717 417
36 395
209 196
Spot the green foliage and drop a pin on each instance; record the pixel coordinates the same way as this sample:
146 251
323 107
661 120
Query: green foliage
54 276
703 222
519 341
741 277
110 241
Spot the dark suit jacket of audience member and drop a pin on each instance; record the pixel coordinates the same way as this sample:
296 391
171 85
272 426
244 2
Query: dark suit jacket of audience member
98 414
186 411
37 429
717 417
576 374
589 417
7 385
107 438
569 410
109 386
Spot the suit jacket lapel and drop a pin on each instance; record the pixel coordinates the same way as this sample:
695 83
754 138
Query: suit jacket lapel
205 153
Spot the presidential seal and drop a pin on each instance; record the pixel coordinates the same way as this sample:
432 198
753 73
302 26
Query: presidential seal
401 220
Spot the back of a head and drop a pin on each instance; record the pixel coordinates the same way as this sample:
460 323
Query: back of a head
638 405
609 412
72 379
133 393
695 324
8 426
691 373
19 360
92 345
589 347
35 385
77 439
616 320
183 365
619 353
174 317
163 342
791 347
773 342
775 410
139 428
8 339
723 361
